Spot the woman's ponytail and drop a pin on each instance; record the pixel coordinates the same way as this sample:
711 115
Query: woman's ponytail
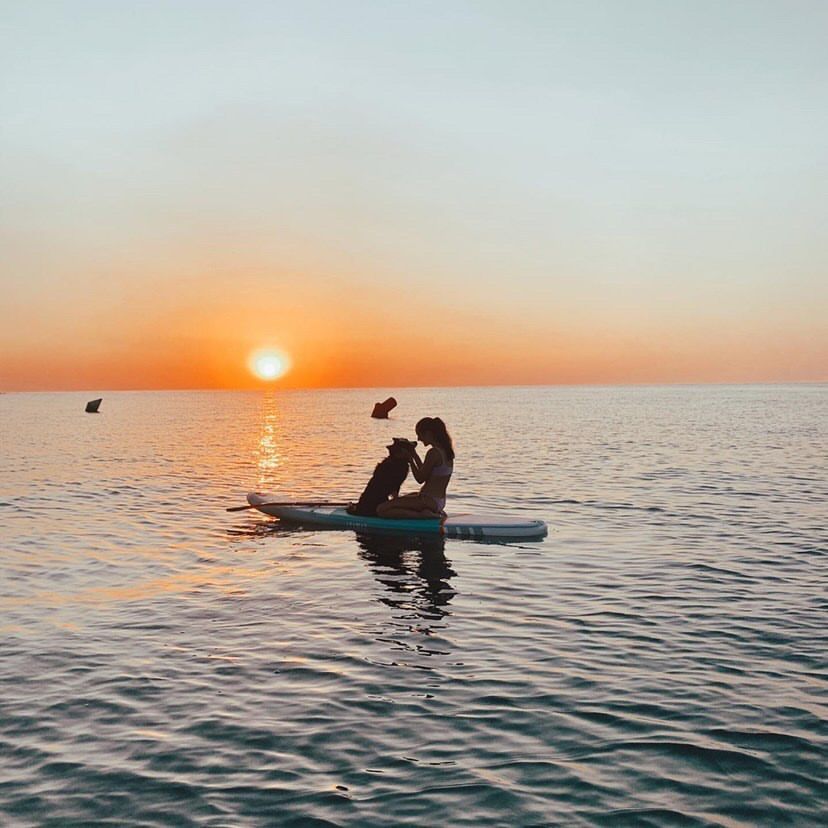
441 436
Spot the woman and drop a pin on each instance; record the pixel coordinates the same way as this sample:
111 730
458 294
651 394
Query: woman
434 472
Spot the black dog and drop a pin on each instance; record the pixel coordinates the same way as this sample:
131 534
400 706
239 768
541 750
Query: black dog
386 480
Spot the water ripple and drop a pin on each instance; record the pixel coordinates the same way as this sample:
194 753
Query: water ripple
658 660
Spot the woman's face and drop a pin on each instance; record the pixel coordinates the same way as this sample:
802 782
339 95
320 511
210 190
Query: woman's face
424 437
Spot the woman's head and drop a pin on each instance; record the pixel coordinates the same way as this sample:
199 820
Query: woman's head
431 431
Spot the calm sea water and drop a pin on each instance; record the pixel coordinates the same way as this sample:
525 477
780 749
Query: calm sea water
659 659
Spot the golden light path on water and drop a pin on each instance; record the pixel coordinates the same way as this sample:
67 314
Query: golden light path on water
269 455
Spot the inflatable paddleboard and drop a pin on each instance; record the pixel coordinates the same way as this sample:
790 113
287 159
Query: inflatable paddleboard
455 526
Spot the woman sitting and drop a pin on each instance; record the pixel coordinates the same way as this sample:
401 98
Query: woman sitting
434 472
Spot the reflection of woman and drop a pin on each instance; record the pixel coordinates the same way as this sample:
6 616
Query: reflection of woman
419 582
433 471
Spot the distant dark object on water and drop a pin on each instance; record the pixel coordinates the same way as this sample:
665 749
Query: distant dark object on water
381 409
93 405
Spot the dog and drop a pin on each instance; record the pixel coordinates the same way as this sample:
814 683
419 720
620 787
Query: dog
386 480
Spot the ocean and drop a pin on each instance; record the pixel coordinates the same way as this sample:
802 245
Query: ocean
660 658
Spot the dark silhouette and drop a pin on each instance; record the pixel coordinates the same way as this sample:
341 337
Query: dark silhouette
381 409
386 480
434 472
414 570
93 405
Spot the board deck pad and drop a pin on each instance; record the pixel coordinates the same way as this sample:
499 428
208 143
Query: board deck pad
454 526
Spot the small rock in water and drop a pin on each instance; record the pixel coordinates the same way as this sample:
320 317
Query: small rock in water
93 405
381 409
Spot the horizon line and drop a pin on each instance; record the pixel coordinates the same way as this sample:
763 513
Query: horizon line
277 387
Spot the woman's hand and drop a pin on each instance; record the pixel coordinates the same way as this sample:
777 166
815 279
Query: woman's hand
422 468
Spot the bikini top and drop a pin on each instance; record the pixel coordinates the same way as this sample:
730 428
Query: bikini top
443 470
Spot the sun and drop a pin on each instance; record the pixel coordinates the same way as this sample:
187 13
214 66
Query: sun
268 364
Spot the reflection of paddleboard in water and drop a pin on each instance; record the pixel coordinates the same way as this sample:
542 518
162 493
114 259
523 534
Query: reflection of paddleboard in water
456 526
418 582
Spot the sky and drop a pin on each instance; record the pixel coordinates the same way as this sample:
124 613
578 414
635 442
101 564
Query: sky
420 193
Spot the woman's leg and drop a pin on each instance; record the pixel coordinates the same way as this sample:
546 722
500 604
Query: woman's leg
406 501
419 514
408 506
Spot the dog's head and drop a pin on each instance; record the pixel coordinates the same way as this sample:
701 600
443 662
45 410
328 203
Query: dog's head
401 447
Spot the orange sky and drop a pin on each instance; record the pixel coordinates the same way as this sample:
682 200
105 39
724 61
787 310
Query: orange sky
195 328
500 195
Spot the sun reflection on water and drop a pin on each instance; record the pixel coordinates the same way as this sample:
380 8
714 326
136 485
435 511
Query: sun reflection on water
269 453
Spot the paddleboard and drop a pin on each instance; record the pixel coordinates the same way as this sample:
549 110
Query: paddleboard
455 526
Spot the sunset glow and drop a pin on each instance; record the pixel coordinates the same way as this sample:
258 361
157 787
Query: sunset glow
587 194
269 364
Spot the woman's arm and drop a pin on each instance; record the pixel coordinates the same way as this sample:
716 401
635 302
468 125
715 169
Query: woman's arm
414 460
421 469
416 465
